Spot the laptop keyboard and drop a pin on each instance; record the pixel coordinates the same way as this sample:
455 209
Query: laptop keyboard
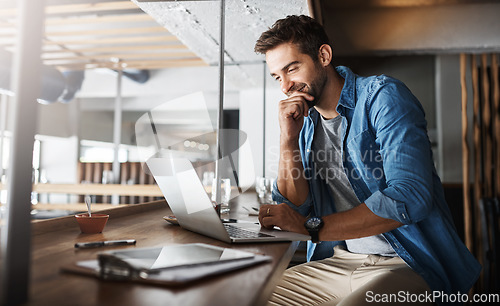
238 232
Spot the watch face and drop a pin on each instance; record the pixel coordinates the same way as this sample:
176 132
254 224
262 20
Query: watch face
314 222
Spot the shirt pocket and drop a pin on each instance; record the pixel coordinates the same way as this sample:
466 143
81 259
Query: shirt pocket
363 154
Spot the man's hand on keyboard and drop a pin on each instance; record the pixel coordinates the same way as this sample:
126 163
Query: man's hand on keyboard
283 217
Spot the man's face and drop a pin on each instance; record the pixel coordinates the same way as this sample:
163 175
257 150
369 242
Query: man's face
296 71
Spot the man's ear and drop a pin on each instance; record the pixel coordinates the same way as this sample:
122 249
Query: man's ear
325 55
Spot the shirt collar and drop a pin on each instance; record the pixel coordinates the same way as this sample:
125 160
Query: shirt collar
348 94
348 91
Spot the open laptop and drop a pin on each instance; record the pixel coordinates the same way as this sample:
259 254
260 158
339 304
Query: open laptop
193 208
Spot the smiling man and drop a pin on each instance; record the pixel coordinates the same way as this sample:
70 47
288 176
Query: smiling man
356 174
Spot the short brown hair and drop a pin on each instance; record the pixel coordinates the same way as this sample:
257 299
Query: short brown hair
301 30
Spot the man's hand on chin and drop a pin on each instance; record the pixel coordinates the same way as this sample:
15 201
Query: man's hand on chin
283 217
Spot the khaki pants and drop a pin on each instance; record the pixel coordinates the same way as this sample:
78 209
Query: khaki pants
349 279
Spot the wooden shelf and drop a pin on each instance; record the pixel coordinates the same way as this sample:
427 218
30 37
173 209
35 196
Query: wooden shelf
99 189
76 206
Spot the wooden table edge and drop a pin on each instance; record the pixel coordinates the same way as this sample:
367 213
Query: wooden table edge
50 225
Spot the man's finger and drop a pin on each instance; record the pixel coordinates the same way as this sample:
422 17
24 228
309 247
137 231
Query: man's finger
264 210
302 100
267 222
301 94
299 110
294 108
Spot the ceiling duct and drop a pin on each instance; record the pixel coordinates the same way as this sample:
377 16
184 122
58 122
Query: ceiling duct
74 81
53 84
140 76
56 85
52 80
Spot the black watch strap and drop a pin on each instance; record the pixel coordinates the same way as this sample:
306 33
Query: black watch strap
314 235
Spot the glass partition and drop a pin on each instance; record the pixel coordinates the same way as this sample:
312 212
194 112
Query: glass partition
127 62
142 57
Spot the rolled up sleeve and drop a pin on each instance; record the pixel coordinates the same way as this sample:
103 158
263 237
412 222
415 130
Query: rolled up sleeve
385 207
303 209
400 127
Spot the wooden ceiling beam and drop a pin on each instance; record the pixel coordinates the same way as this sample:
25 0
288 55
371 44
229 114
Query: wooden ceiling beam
141 48
98 32
135 64
114 41
90 7
95 20
109 32
102 34
78 8
123 56
173 64
9 41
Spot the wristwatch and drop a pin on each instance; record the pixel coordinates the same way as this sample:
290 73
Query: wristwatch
313 225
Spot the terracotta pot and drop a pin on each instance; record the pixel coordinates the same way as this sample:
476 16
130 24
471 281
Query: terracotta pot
92 225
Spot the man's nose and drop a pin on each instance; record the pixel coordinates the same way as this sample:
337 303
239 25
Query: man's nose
286 85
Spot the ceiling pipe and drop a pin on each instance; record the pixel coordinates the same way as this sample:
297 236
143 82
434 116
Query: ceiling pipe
57 85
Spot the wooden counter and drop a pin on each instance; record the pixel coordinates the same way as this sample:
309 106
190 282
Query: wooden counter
53 247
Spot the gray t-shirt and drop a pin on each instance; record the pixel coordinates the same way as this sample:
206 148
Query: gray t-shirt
327 160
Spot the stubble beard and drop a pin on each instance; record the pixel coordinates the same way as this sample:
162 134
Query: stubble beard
315 89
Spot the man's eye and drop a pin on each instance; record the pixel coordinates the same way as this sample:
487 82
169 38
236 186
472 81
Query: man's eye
292 69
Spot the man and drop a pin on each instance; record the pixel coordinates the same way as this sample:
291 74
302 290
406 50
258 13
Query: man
356 173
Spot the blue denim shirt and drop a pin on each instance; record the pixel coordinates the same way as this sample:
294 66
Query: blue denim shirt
388 160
